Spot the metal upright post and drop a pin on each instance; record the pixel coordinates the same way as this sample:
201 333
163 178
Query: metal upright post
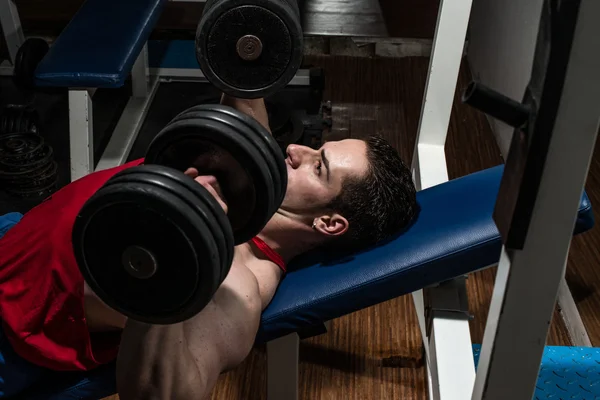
541 221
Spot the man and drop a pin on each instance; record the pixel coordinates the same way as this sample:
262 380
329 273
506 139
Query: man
348 193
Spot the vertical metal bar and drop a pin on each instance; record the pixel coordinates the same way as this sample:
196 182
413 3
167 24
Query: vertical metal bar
140 75
429 160
11 27
127 129
452 367
528 280
282 368
81 137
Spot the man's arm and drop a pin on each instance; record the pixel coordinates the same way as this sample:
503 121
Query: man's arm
183 361
155 362
253 107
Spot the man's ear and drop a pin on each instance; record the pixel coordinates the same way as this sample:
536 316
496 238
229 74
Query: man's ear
332 225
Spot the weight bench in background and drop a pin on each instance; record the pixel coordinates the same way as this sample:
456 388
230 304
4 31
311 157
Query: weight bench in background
101 47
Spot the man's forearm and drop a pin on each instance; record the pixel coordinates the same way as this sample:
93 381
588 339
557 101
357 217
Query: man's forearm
154 362
253 107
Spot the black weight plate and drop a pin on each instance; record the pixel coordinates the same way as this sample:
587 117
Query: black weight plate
18 166
279 30
146 215
25 178
202 201
35 191
260 133
170 179
247 214
196 197
222 225
29 55
214 148
251 130
222 54
18 147
266 137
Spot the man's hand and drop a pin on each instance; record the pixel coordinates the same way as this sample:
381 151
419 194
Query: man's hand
210 183
252 107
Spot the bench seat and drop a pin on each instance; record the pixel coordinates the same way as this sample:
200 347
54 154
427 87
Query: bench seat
99 46
453 236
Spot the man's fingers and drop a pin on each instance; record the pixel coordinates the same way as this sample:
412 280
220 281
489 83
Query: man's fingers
210 183
206 180
191 172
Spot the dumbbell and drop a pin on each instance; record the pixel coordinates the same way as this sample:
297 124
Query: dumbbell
153 243
249 48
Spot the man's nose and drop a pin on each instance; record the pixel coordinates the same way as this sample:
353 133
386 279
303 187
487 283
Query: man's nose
298 153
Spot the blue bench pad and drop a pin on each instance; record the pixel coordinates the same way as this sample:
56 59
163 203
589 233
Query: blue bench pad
453 235
99 46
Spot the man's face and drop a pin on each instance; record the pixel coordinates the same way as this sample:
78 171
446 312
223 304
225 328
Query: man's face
315 177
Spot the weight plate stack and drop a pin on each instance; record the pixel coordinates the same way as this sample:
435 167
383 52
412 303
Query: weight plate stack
19 118
246 160
29 55
146 244
27 166
249 49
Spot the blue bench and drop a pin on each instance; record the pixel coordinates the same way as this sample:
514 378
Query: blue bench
453 235
101 47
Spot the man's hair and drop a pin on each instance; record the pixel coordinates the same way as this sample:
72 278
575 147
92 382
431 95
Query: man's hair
380 204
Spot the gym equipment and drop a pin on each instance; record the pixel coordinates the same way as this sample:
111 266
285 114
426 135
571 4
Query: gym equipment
18 118
249 49
79 57
27 166
102 46
153 243
29 56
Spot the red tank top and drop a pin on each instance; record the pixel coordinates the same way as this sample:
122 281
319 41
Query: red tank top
41 288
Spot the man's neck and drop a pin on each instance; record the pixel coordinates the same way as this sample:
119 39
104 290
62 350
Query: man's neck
289 238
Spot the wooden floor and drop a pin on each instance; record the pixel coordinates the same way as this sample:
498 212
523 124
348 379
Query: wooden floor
377 353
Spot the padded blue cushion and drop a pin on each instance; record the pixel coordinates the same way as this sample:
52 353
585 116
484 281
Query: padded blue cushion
98 47
453 235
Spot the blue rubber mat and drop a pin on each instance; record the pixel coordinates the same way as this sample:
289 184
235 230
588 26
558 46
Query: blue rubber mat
566 373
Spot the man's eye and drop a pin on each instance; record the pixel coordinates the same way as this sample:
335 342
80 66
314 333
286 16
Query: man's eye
318 166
